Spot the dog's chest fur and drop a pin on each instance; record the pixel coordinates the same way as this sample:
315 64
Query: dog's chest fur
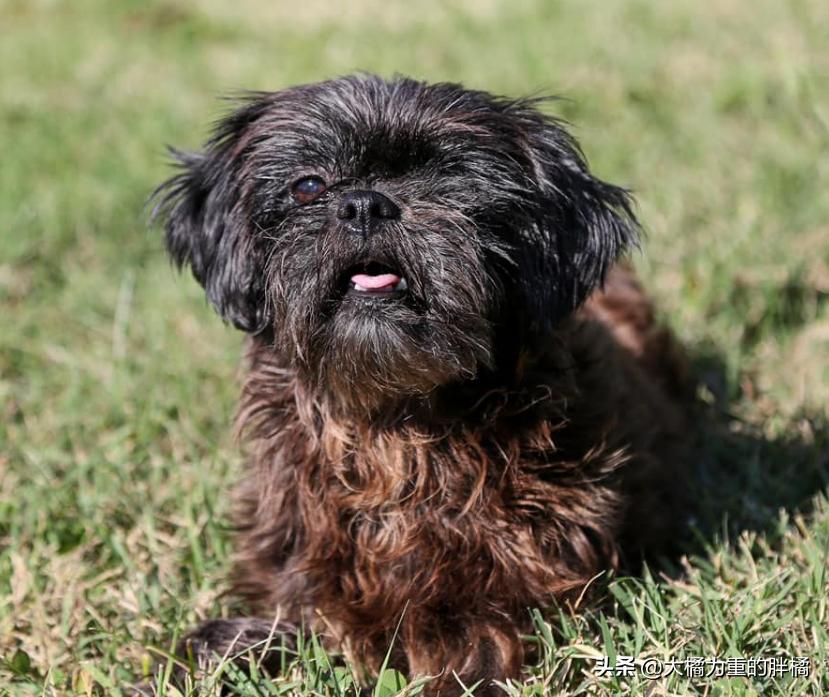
361 524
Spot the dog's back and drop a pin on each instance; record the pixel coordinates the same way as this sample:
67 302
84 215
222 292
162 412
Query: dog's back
655 399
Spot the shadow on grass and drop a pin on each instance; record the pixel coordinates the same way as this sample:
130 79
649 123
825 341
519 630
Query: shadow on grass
743 472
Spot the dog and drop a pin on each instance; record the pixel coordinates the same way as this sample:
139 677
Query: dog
458 404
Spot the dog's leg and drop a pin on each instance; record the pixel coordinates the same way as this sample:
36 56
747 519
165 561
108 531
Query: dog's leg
476 653
239 640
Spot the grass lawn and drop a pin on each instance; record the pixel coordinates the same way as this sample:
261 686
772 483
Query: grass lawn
118 383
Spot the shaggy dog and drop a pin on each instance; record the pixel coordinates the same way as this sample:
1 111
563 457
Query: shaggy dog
458 405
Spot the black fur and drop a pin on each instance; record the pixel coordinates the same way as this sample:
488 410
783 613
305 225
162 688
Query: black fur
498 212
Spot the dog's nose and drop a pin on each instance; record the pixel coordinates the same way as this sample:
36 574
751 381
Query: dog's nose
362 209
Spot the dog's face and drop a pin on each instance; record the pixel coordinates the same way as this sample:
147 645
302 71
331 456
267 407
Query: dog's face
392 234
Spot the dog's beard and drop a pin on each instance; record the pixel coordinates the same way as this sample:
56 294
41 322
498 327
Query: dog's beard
372 349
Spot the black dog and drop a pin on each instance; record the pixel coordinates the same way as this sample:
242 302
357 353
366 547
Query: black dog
448 422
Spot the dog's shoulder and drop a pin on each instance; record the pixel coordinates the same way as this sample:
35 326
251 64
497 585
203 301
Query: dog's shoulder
625 310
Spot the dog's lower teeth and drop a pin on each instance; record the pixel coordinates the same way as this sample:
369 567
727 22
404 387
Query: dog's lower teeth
401 284
359 288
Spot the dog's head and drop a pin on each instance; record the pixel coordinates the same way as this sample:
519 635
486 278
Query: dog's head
391 235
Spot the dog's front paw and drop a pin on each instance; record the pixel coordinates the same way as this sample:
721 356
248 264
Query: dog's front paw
240 641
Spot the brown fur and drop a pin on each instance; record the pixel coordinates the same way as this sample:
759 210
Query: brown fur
460 518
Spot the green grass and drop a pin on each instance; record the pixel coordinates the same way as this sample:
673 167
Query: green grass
118 383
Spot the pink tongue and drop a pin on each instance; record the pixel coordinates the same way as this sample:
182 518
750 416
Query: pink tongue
382 281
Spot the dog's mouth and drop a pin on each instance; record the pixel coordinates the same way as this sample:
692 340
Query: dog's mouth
372 279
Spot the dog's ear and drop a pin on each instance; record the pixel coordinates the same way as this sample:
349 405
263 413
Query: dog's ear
581 224
206 225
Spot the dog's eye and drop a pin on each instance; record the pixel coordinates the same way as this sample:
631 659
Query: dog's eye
307 189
